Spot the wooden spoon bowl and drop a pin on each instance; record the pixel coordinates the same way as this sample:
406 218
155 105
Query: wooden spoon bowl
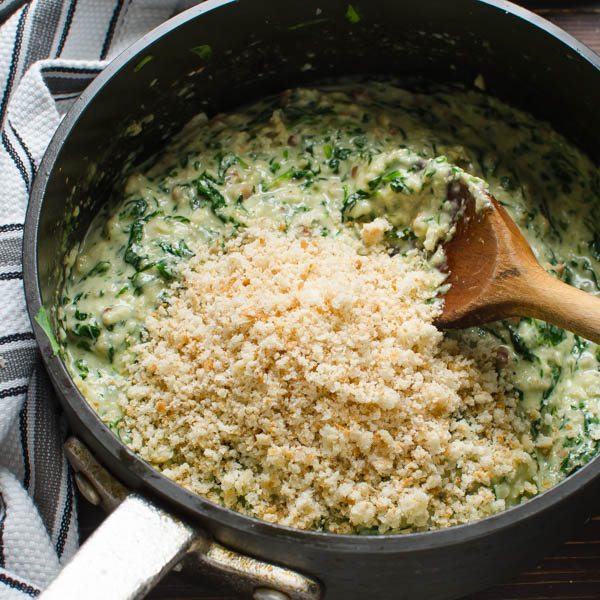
495 275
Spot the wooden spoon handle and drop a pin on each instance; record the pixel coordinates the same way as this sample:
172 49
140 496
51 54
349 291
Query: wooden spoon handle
556 302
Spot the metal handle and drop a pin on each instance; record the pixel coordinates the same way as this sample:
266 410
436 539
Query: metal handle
139 543
127 555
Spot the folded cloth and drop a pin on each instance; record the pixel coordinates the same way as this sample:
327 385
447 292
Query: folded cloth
49 51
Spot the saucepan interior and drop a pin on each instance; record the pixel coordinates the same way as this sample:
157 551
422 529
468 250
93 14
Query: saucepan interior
223 54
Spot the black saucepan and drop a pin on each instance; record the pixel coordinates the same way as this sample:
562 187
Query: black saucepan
260 47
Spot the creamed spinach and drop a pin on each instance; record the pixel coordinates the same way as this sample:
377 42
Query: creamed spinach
317 161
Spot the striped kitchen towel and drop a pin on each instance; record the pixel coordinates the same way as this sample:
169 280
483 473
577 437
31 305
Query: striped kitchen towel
49 51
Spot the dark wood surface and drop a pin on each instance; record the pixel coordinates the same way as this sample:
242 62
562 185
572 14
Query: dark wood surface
572 572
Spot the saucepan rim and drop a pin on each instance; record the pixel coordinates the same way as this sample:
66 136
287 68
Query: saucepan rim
166 490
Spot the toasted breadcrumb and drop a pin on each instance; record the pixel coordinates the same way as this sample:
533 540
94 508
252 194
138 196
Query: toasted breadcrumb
304 383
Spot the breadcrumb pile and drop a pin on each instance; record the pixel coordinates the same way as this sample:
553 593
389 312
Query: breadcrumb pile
302 381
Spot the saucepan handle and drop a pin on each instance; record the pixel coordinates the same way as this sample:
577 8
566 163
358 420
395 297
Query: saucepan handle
127 555
138 543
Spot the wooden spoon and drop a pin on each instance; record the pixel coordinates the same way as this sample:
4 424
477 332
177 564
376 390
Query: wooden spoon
494 275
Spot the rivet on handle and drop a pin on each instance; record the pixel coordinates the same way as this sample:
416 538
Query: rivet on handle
88 491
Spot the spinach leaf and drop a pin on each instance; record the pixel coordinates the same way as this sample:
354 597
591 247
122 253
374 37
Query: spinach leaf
350 201
180 251
43 321
550 334
178 218
338 154
140 279
397 184
578 348
89 330
388 177
132 254
519 344
82 368
99 268
306 173
134 209
207 192
164 269
556 372
352 15
227 161
204 51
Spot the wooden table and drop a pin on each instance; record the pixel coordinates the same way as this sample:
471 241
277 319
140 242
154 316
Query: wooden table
571 573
